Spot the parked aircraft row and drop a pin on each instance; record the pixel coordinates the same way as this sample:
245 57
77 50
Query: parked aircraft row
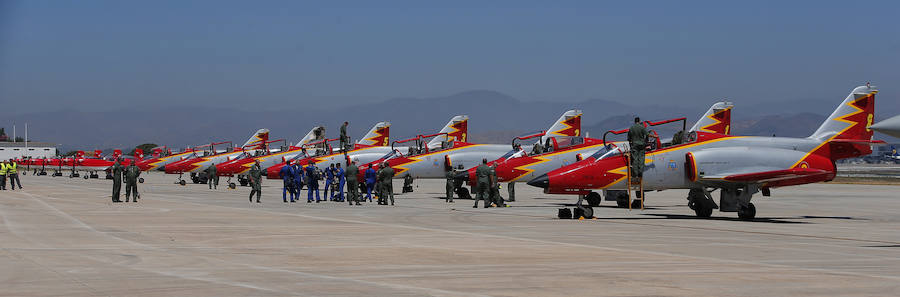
703 158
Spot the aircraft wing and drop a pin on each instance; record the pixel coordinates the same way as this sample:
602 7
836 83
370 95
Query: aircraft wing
769 176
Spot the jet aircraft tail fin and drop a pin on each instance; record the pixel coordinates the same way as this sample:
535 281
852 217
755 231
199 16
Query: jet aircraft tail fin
457 130
316 133
379 135
716 120
258 140
79 154
852 118
569 124
139 154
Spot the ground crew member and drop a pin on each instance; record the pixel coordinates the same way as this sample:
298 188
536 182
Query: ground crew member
329 180
117 180
339 176
312 182
495 187
3 170
352 183
287 177
387 185
132 172
370 182
255 181
407 183
637 141
482 172
451 184
345 140
13 175
211 176
298 179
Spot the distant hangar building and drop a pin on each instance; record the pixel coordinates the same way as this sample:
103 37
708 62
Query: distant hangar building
15 150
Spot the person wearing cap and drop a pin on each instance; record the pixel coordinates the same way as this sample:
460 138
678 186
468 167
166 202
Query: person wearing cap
352 183
483 174
117 171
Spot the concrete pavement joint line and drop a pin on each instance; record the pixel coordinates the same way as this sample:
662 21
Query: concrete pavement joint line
548 242
382 284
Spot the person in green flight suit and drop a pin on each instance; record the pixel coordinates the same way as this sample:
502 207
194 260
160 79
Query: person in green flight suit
211 178
345 140
117 180
352 183
132 172
495 187
255 181
387 186
451 183
637 141
483 173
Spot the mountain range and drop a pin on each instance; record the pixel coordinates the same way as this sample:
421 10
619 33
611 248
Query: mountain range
494 118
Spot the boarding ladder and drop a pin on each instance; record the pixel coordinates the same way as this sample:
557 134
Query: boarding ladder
633 183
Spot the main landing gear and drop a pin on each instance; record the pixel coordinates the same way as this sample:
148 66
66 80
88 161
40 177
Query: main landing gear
731 199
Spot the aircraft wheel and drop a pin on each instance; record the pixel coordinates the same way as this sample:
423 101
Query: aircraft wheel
232 186
593 199
635 204
703 211
182 182
86 177
141 180
463 193
243 182
747 213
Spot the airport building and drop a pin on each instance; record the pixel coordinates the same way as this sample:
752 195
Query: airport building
15 150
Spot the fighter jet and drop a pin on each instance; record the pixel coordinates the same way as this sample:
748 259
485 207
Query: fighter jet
433 164
377 147
162 156
241 166
199 160
738 166
890 126
520 166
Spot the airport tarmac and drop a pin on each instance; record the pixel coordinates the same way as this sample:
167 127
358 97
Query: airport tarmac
63 237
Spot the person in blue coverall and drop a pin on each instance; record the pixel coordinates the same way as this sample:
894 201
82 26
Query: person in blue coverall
312 181
298 179
287 177
370 182
329 179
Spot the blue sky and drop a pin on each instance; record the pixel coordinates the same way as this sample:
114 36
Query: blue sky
271 54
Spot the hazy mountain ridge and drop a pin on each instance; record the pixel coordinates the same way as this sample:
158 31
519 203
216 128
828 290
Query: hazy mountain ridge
494 117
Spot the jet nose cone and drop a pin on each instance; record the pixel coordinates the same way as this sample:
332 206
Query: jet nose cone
542 181
462 176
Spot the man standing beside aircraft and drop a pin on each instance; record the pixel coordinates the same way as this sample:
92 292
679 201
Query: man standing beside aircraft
339 176
117 180
312 182
255 181
352 183
211 178
451 183
481 188
298 179
13 175
287 177
370 182
637 141
329 180
345 140
3 170
495 187
387 187
132 172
